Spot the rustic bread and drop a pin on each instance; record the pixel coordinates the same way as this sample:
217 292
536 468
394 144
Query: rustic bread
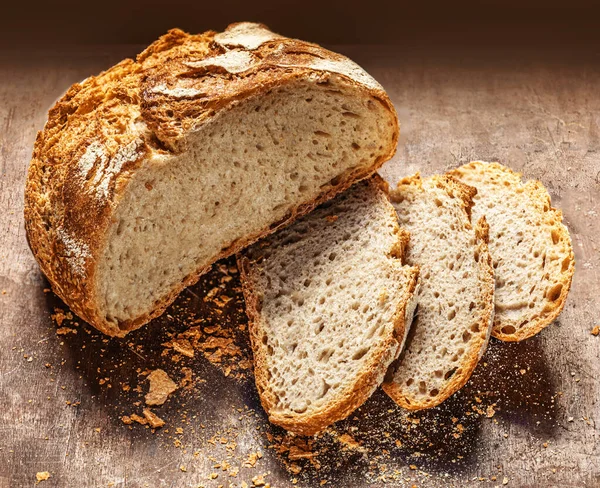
530 247
329 303
149 172
455 302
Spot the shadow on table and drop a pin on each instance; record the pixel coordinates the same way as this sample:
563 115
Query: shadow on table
512 383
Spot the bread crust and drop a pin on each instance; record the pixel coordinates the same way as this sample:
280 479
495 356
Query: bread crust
465 193
368 379
538 193
108 126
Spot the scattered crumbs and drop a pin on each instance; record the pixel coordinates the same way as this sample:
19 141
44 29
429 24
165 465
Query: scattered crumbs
41 476
65 331
183 468
161 386
331 218
348 442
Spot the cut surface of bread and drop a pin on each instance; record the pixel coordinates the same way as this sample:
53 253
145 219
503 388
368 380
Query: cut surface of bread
329 303
151 171
530 247
455 302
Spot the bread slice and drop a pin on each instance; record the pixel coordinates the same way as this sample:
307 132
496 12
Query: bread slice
456 298
149 172
329 303
530 247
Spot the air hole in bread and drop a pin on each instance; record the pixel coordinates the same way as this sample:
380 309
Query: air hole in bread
325 355
565 264
360 353
451 314
466 337
449 373
439 373
555 236
435 392
553 293
508 330
410 381
422 387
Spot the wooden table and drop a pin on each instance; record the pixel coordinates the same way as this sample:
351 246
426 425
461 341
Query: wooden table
528 417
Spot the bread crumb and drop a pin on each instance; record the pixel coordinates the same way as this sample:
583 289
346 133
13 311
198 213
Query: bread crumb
41 476
154 420
596 330
252 458
184 347
161 386
505 481
259 480
65 331
349 442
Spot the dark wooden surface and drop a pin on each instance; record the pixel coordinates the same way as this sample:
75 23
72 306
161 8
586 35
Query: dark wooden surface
529 416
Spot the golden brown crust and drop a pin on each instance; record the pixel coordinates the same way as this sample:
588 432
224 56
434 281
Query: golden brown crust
465 193
369 378
107 126
538 193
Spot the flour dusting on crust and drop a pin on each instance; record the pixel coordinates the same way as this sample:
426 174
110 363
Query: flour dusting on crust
247 35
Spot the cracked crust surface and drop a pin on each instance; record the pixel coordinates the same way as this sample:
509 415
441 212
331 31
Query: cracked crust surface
108 126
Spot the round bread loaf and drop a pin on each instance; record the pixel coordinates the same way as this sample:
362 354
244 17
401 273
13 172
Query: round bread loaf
148 173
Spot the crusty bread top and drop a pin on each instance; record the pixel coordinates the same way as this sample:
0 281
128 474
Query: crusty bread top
104 128
530 247
329 303
456 298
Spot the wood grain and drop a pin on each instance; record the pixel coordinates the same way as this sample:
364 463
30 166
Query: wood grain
537 112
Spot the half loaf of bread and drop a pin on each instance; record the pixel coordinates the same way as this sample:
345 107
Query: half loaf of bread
148 173
455 303
329 303
530 247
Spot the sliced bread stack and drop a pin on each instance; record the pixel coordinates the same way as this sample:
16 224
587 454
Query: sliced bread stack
330 302
322 306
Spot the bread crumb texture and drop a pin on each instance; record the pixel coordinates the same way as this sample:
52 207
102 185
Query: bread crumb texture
530 247
455 302
328 301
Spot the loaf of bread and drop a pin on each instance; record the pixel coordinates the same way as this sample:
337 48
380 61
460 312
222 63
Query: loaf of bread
329 303
148 173
530 248
455 303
